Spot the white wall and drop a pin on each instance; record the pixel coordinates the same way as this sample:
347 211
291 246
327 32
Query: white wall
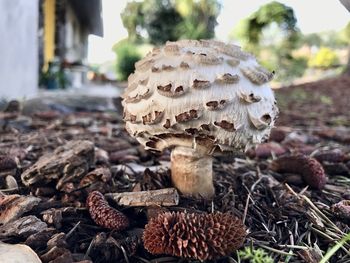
18 48
75 38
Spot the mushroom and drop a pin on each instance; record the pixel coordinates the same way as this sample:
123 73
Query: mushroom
198 98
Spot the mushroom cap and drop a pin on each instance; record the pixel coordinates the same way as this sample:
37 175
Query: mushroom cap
202 94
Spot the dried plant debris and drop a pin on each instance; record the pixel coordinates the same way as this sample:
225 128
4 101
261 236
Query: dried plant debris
70 160
105 215
7 163
287 220
342 209
309 168
22 227
14 206
196 236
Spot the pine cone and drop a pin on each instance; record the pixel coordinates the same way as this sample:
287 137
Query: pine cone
103 214
194 235
331 156
309 168
7 163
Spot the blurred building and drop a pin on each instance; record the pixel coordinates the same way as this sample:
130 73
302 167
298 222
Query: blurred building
39 33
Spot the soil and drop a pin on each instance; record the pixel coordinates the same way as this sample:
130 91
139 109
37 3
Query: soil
41 175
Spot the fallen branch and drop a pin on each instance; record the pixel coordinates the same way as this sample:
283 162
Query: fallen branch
162 197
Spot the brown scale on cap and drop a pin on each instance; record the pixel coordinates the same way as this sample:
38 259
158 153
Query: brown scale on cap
209 59
184 65
166 90
192 131
167 67
103 214
152 118
127 116
167 124
200 84
227 78
262 122
257 75
187 116
215 104
144 65
156 69
138 97
171 49
250 98
226 125
205 127
233 62
194 235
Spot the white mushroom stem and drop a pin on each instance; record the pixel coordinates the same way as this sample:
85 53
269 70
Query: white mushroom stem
192 172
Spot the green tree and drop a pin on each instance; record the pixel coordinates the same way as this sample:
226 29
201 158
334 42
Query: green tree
162 20
133 20
345 40
312 39
198 18
127 55
324 58
250 31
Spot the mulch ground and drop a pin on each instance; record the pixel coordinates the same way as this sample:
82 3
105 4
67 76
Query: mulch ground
286 218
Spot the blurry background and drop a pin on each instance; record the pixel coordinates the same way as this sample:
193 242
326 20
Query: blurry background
302 40
64 44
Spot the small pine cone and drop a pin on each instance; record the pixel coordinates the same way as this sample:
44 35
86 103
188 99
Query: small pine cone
342 209
7 163
309 168
194 235
278 134
266 150
333 156
105 215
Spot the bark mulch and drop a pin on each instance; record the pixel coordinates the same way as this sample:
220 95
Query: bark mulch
50 161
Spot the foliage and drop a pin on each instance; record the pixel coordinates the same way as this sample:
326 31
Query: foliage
133 20
198 18
271 34
255 255
157 21
127 55
250 30
312 39
54 77
324 58
345 239
344 37
160 20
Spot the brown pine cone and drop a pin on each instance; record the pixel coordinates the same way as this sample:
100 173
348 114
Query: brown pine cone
105 215
7 163
331 156
309 168
194 235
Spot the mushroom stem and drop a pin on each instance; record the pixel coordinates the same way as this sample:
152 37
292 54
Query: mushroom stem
192 172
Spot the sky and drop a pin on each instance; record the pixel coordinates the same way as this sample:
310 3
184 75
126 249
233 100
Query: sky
312 16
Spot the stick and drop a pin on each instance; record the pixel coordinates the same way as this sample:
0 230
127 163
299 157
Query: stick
162 197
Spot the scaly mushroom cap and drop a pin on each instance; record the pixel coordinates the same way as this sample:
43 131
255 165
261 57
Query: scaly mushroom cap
204 94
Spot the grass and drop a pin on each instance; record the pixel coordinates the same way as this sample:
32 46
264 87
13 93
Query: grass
335 248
